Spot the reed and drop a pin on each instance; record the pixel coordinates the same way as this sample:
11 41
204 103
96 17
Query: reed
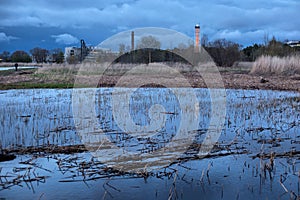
276 65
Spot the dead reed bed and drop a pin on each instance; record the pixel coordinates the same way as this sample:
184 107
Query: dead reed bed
289 65
87 74
114 68
59 72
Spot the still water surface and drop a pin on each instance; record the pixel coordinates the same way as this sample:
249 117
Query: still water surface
257 121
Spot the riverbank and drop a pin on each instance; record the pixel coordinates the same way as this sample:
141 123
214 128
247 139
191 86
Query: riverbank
67 76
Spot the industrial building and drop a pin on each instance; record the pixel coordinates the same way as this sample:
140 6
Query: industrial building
77 54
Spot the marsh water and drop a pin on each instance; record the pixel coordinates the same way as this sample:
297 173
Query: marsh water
20 67
255 157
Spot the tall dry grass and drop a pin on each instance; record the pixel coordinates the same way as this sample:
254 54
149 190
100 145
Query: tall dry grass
89 72
277 65
57 72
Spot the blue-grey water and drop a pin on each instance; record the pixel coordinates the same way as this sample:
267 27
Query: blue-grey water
20 67
256 122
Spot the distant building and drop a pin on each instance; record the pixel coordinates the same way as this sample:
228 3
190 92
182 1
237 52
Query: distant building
77 54
72 51
293 43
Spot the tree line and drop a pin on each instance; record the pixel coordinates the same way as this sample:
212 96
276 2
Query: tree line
37 54
224 52
271 48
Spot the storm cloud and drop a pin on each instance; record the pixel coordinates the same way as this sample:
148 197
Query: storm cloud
244 22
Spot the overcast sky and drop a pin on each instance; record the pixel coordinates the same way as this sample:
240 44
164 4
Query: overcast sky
25 24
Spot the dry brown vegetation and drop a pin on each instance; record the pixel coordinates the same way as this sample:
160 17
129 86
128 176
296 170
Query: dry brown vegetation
267 73
289 65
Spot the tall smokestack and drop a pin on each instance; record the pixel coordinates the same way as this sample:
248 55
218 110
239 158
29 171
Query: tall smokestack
197 37
132 40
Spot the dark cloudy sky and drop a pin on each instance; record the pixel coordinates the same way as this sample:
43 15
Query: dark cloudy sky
25 24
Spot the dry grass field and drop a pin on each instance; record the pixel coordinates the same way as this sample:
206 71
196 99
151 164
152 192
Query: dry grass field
275 65
266 73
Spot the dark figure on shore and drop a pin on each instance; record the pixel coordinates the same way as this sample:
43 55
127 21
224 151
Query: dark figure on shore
16 66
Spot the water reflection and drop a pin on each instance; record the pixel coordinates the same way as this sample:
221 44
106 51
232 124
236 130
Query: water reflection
257 124
36 117
44 116
20 67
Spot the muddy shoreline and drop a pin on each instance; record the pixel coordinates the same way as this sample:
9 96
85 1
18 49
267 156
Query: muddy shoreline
231 80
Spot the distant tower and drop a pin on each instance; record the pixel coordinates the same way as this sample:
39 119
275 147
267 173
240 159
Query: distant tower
132 40
197 37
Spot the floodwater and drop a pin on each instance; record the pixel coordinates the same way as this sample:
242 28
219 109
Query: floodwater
19 67
255 157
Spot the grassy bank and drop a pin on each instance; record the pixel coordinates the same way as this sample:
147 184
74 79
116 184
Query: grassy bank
25 85
48 76
106 75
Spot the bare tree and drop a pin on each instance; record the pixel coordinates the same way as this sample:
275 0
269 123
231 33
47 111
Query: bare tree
224 52
182 46
39 55
20 56
204 40
266 38
121 49
148 42
5 56
57 55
